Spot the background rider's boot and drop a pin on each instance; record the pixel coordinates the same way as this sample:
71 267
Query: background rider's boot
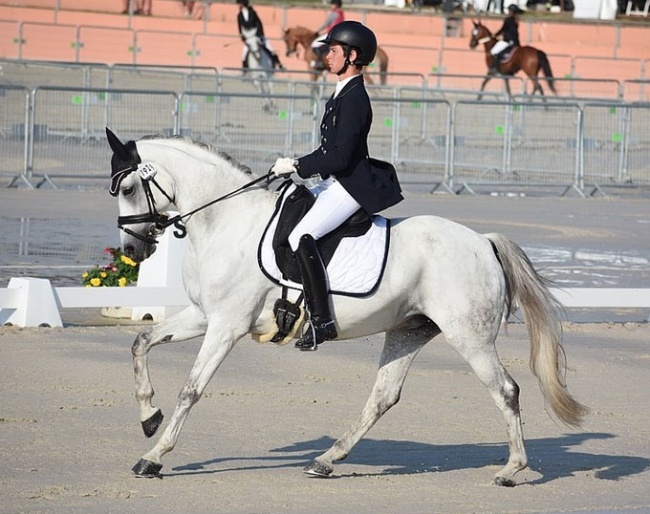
314 281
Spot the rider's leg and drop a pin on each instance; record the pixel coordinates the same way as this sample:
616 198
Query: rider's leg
244 59
314 283
332 207
275 60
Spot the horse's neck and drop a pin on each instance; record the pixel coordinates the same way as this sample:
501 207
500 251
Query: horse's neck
488 42
306 38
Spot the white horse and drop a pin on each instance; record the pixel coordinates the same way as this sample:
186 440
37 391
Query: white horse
260 68
440 277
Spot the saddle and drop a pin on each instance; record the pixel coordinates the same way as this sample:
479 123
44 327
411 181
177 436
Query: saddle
298 202
354 255
508 53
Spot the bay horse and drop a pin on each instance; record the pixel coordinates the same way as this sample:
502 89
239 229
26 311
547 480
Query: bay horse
296 37
528 59
439 278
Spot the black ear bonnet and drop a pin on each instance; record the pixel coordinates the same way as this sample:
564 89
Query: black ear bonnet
125 160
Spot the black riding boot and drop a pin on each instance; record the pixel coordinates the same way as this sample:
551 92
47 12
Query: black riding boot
275 60
314 281
494 66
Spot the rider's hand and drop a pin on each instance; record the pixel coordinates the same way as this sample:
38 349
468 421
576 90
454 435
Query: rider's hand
284 167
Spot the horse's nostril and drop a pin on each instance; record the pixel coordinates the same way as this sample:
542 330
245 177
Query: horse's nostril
129 250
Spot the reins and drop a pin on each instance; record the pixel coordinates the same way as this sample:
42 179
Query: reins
162 221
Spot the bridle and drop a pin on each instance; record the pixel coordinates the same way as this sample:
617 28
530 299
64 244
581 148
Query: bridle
159 222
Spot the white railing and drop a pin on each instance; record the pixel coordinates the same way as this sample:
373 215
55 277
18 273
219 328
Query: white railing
33 302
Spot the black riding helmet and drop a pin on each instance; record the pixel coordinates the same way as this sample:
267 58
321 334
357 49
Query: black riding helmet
514 9
337 3
357 36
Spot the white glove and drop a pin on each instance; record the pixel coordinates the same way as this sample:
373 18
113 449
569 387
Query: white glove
283 167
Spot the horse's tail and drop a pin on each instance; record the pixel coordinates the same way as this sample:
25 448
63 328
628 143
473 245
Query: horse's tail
545 65
383 67
530 291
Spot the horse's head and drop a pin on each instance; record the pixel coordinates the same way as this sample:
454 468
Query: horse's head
480 34
291 42
141 207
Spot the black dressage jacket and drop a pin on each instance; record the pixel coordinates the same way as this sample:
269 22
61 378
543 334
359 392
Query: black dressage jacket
343 150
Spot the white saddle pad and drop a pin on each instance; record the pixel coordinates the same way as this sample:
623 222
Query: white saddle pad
356 267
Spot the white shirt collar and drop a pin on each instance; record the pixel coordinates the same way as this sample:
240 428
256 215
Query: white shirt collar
341 84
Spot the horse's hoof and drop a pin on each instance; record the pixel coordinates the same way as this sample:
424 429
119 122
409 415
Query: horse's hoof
149 426
147 469
317 469
504 482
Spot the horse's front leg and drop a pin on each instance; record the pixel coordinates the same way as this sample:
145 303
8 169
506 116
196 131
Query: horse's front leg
508 92
485 81
400 348
185 325
219 340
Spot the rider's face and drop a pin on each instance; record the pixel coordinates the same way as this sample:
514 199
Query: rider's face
336 58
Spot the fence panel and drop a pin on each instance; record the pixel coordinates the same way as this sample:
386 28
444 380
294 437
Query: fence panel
37 74
46 42
73 143
602 143
163 48
412 131
582 88
515 143
106 44
621 68
616 144
9 39
14 108
240 125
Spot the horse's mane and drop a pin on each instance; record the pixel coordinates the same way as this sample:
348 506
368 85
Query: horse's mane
204 146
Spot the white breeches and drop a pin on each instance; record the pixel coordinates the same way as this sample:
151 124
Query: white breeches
332 207
319 41
498 46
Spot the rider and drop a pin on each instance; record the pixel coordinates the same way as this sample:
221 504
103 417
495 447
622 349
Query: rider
510 34
248 19
347 181
334 17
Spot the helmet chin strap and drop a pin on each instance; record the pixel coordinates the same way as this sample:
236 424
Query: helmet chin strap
347 62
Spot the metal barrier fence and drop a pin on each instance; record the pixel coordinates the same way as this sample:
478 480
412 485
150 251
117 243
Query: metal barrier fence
52 134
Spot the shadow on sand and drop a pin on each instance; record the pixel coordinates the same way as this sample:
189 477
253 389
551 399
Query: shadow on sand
553 458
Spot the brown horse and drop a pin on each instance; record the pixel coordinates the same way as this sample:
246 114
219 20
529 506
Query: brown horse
301 36
528 59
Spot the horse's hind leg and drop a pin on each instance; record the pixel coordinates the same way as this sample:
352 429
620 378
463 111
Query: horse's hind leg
184 325
400 348
479 351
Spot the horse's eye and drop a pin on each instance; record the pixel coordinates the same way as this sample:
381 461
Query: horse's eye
128 190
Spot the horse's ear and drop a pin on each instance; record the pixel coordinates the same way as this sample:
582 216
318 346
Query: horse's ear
116 145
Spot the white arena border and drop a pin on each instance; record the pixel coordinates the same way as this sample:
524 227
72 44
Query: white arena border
33 302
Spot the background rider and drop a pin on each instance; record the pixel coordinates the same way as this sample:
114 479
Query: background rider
334 17
247 20
509 33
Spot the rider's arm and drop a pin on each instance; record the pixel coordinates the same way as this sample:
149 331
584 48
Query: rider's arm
258 23
328 21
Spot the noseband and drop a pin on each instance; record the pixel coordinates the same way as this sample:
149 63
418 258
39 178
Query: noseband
159 222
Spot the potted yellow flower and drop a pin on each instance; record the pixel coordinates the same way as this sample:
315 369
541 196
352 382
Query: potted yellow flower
120 271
